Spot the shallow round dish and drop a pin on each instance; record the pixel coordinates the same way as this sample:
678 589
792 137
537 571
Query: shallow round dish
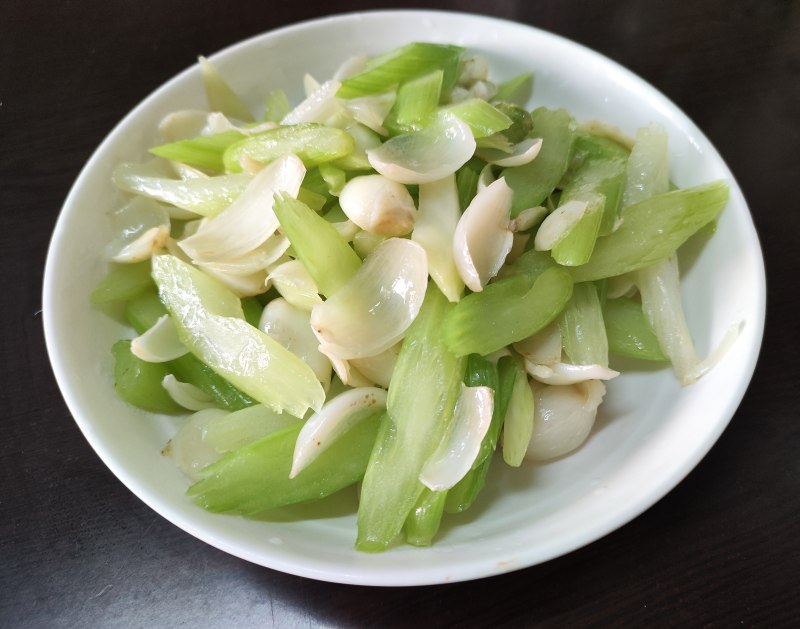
651 432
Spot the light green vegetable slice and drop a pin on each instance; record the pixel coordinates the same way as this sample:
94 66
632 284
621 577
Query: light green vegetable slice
628 332
516 90
122 283
583 333
416 101
518 424
220 95
205 151
423 522
211 324
422 395
139 382
482 118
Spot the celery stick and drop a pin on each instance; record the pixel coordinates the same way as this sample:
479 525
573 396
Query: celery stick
583 333
276 106
220 95
423 522
403 64
653 229
210 322
647 171
576 247
236 430
521 122
467 182
311 142
252 308
516 90
506 311
536 180
205 151
422 395
628 332
416 101
518 423
482 118
334 178
255 478
139 382
122 283
327 257
313 200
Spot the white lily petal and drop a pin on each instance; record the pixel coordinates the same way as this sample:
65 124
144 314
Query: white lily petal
522 153
142 228
565 373
344 370
427 155
436 222
291 327
250 220
528 218
473 69
350 67
334 419
320 105
456 453
486 177
187 449
378 205
557 225
295 285
310 84
378 368
243 285
160 343
186 394
182 124
482 239
371 111
373 310
253 261
563 418
542 348
218 122
144 246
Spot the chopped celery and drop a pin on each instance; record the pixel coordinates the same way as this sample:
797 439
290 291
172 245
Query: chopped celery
403 64
628 332
276 106
252 308
518 423
334 178
482 118
255 478
648 166
422 394
311 142
123 282
210 323
536 180
521 121
205 151
416 101
516 90
235 430
653 229
327 257
139 382
467 182
583 333
576 247
220 95
423 522
313 200
506 311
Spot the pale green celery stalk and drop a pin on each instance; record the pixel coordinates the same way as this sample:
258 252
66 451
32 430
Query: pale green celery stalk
311 142
220 95
423 392
533 182
583 332
416 101
506 311
425 518
276 106
122 282
653 229
235 430
481 117
467 181
403 64
647 170
328 258
335 214
204 151
255 478
521 122
334 178
210 322
312 199
576 247
628 332
482 372
516 90
518 424
365 139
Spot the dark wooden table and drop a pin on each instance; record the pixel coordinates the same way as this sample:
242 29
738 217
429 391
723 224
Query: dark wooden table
77 549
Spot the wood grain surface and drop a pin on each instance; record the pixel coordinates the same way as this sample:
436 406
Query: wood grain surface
77 549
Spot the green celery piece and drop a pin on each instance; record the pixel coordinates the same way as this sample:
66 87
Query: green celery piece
240 428
576 247
653 229
583 333
123 282
518 423
647 171
139 382
423 522
312 199
506 311
533 182
311 142
220 95
328 258
365 139
254 479
521 121
415 103
142 312
423 392
516 90
403 64
205 151
467 181
629 333
597 147
501 378
481 117
333 177
276 106
252 309
210 323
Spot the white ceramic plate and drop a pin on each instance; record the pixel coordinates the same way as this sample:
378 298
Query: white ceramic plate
650 435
